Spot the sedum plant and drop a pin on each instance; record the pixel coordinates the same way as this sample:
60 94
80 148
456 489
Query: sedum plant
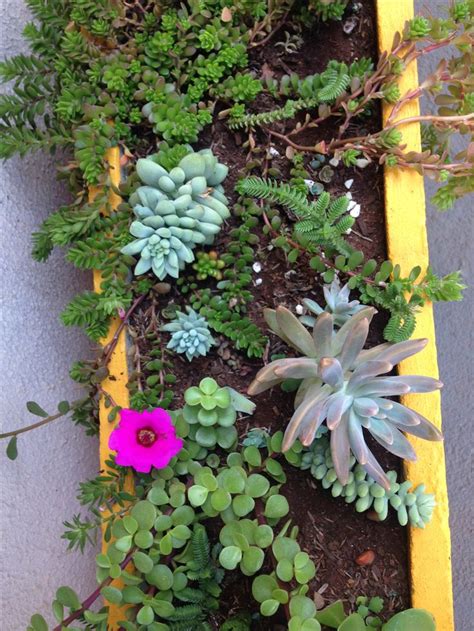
190 334
175 211
211 412
342 385
337 303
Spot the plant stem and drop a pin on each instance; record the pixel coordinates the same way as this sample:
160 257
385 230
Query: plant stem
92 597
45 421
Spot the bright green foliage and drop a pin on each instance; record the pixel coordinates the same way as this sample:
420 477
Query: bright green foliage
239 88
212 411
328 10
322 223
191 334
208 265
341 384
337 303
175 211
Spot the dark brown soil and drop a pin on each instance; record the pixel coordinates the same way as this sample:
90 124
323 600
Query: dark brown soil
330 531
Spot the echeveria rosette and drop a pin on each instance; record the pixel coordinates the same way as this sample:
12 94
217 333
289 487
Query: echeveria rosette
191 335
342 385
144 440
175 211
337 303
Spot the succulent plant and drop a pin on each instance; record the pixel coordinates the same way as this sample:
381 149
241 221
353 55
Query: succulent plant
414 506
341 384
176 211
208 264
212 411
191 334
337 303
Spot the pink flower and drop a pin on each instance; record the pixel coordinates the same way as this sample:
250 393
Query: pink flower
144 440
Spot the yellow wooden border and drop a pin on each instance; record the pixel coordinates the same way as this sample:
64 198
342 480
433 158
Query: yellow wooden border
430 549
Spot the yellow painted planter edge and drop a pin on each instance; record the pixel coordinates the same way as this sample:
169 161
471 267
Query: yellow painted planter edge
429 549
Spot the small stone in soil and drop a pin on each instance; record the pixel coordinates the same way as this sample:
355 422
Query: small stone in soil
349 25
257 267
334 162
258 281
366 558
349 183
299 309
355 212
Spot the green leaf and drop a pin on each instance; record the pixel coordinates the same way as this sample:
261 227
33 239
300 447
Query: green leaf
142 562
161 576
355 622
355 259
12 451
253 456
332 615
411 620
58 610
197 495
68 597
276 507
35 409
64 407
38 623
112 594
158 496
284 570
145 514
252 560
230 557
145 615
256 485
302 606
369 268
242 505
269 607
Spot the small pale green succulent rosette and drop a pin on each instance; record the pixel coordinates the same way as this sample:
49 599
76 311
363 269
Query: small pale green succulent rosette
337 303
191 335
176 211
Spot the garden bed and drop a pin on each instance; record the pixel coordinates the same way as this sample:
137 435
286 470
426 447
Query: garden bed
333 534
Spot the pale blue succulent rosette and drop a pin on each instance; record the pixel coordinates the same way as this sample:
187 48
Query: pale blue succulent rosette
337 303
191 335
176 211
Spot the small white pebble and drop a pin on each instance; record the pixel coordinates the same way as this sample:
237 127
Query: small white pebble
258 281
349 231
257 267
309 183
352 204
348 183
334 162
299 309
273 151
362 163
355 212
349 195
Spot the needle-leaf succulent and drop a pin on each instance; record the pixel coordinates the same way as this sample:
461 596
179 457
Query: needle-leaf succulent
346 387
191 334
175 211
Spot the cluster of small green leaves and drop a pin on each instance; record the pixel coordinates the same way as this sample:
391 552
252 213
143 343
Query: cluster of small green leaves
152 387
225 310
320 233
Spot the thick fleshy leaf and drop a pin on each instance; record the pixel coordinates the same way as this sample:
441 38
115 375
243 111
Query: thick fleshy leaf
137 229
368 370
419 383
365 406
330 371
297 368
143 266
400 414
340 451
134 247
379 427
400 445
298 335
356 439
340 337
425 429
375 471
322 335
271 320
266 377
395 353
383 386
308 415
354 343
338 404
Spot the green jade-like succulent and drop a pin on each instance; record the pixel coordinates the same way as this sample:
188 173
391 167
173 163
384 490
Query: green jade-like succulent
211 411
191 334
341 384
176 211
337 303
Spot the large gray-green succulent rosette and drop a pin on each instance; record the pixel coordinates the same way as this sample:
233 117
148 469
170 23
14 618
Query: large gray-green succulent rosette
175 211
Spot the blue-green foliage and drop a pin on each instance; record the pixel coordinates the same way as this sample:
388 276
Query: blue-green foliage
191 334
176 211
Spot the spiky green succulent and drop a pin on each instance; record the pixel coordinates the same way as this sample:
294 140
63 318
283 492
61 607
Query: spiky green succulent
337 303
342 385
176 211
191 335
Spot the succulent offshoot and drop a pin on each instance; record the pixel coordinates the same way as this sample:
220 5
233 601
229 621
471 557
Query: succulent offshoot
346 387
191 335
337 303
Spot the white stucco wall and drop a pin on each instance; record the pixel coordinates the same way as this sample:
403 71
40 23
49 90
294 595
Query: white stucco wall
38 489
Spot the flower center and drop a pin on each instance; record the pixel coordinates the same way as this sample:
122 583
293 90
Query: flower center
146 436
